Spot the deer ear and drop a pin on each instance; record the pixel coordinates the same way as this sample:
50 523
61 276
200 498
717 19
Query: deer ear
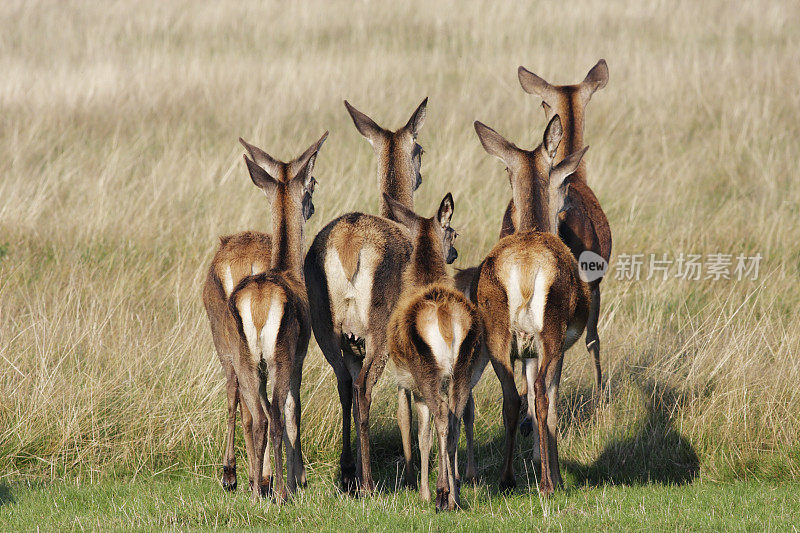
416 121
261 178
445 212
495 144
304 178
263 159
567 167
595 79
365 125
401 213
298 164
548 111
552 136
533 84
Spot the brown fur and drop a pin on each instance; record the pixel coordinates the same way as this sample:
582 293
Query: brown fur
429 298
371 251
585 226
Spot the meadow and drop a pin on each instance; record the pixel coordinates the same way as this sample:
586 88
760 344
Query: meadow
120 166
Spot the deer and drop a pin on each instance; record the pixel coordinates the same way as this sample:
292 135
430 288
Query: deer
529 292
434 336
584 226
238 256
272 318
352 270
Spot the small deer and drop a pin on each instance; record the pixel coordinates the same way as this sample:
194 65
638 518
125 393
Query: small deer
238 256
584 226
434 336
352 271
272 318
529 291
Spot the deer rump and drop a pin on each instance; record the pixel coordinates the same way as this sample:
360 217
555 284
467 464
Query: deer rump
438 327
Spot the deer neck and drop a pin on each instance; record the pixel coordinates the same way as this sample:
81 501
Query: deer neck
572 123
287 236
531 195
394 176
426 265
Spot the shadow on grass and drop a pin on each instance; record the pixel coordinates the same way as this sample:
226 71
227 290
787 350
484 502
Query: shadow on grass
6 496
653 451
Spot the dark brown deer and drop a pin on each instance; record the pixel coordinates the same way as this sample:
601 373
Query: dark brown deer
273 322
238 256
435 338
352 272
529 291
585 226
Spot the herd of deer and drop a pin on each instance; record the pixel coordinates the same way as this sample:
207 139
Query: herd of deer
376 288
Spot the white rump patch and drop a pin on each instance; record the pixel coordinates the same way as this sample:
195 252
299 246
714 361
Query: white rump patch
228 281
527 316
249 327
444 353
350 298
269 333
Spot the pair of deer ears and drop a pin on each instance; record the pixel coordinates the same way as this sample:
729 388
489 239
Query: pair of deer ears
533 84
410 219
369 129
263 167
496 145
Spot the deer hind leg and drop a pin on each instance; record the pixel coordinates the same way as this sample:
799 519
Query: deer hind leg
229 460
592 338
425 440
460 397
446 493
330 344
266 475
280 390
530 369
297 471
254 421
374 362
498 344
553 381
404 423
471 473
353 369
550 353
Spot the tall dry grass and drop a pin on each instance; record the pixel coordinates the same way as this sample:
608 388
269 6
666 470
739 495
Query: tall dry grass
120 166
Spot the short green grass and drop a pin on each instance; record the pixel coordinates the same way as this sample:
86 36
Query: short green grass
194 502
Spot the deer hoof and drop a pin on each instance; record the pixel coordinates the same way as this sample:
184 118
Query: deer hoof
229 478
442 500
349 482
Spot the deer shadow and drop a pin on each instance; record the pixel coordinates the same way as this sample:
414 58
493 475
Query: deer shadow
6 495
652 451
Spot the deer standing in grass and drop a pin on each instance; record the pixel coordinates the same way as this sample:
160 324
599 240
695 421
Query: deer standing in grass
529 290
238 256
273 322
435 338
584 225
353 269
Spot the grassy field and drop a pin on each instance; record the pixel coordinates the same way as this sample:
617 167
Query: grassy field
119 166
